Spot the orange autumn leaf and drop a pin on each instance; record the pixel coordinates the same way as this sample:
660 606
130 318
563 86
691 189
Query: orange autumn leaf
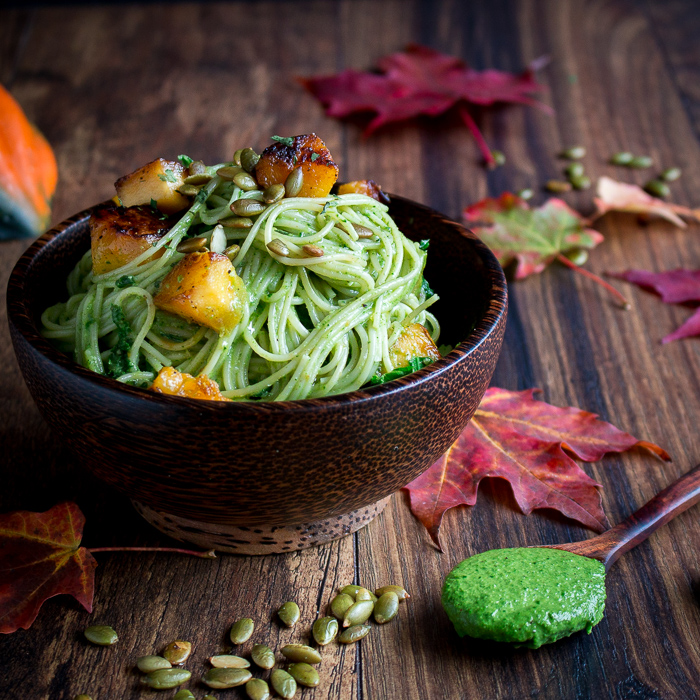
40 557
529 443
621 196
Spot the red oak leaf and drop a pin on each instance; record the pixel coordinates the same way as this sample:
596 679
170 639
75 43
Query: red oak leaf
40 557
422 81
524 441
675 287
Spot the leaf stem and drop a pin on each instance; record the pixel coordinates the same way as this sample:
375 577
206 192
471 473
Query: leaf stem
598 280
480 140
211 554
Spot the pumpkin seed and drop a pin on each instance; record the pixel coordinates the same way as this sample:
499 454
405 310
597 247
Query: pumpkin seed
365 594
341 604
294 182
289 612
657 188
241 630
188 190
208 697
641 162
386 608
351 590
525 194
184 694
401 592
358 613
354 634
247 207
573 170
581 183
82 697
217 243
621 158
363 231
670 174
278 247
236 222
229 661
102 635
283 684
304 674
325 630
232 251
273 193
199 179
147 664
249 159
228 172
165 678
177 652
573 153
257 689
499 158
191 245
237 157
578 256
558 186
197 167
301 652
246 182
226 677
262 656
312 250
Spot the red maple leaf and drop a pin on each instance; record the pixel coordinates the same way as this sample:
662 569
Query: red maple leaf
423 81
40 557
675 287
527 442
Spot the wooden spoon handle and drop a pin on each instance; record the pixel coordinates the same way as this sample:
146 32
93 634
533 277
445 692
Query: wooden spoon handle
666 505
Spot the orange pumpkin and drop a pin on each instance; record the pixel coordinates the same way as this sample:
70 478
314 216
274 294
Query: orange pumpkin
28 173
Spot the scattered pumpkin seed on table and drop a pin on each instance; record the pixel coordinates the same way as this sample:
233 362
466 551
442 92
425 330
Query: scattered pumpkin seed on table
226 677
301 652
525 194
386 608
621 158
573 170
657 188
641 162
573 152
263 656
184 694
304 674
340 605
289 612
325 630
257 689
558 186
365 594
82 697
354 634
358 613
499 158
670 174
177 652
581 183
229 661
147 664
208 697
241 630
283 684
400 591
101 635
166 678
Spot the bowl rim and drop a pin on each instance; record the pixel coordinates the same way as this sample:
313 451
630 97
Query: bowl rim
20 316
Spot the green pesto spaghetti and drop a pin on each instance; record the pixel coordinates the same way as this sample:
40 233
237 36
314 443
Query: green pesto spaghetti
312 324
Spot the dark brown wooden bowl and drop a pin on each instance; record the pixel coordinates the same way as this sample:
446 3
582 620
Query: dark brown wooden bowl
266 476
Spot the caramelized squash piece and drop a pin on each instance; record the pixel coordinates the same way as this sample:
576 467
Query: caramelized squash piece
158 180
415 341
307 152
118 235
203 288
170 381
366 187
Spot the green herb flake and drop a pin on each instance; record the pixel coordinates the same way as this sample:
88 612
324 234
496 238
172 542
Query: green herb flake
154 206
185 161
168 177
201 196
179 278
118 362
426 289
125 281
414 364
424 244
314 157
286 140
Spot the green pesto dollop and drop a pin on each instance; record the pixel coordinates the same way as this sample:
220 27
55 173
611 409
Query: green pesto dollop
530 596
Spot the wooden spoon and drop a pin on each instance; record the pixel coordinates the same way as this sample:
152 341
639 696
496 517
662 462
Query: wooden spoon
666 505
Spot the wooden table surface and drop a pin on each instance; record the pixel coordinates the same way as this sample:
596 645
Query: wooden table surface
113 87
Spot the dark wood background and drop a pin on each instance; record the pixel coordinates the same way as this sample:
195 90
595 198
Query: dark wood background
115 86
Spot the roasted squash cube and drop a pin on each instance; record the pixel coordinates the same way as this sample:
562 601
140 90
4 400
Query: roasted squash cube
307 152
366 187
170 381
203 288
118 235
159 180
415 341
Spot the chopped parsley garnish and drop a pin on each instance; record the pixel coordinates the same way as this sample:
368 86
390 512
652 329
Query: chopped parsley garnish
424 244
168 177
426 289
118 362
286 140
330 203
264 393
314 157
185 161
125 281
414 364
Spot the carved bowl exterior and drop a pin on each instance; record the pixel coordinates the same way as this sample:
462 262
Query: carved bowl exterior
267 463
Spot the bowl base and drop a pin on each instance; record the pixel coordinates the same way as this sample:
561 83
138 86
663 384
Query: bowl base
260 539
